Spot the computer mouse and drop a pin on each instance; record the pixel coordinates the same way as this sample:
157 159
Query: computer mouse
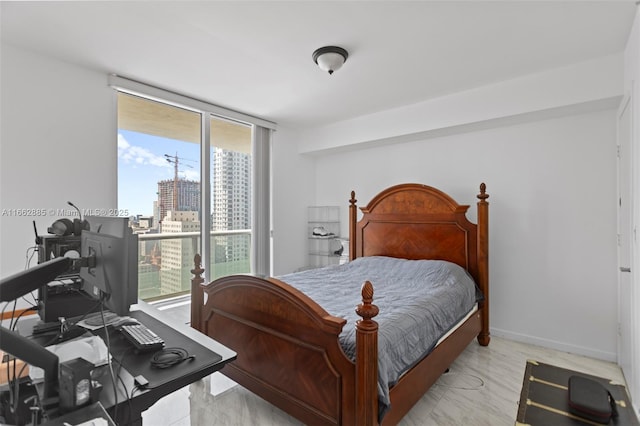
125 321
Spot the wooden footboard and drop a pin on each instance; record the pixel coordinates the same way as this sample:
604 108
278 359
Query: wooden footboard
288 348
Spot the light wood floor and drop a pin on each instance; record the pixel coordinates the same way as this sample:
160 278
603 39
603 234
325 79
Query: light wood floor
481 388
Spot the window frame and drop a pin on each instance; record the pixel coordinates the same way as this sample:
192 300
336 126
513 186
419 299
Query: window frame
261 131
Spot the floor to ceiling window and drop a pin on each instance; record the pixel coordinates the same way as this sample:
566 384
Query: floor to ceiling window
184 173
159 184
231 188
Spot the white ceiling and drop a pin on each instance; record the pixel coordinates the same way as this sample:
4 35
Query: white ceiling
255 57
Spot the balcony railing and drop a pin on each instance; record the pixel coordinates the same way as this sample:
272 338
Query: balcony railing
166 260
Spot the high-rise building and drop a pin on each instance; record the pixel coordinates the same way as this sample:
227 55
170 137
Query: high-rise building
178 253
187 196
156 215
231 210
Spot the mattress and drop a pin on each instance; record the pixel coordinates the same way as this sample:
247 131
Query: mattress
420 301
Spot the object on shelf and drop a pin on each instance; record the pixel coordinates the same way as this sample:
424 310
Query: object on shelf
319 231
324 247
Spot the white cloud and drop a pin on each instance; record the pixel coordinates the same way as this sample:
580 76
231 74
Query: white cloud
190 174
138 155
122 142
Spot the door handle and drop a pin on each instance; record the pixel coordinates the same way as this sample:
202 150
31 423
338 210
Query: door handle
623 269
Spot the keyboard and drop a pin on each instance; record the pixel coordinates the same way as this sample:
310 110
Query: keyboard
142 338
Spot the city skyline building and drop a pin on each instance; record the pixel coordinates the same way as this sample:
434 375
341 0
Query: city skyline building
166 263
187 197
177 253
231 210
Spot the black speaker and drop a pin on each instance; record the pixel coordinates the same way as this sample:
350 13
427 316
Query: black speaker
75 384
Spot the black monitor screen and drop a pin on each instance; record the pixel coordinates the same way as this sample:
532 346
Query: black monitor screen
112 271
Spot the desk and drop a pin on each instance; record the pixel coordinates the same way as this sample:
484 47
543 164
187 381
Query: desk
90 412
132 402
193 370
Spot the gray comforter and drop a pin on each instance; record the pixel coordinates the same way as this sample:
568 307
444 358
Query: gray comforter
419 301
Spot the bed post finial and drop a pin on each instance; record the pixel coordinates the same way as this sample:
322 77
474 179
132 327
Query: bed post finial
367 359
197 295
482 196
366 309
197 269
353 216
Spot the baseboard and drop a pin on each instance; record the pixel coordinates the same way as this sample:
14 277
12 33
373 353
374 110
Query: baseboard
553 344
14 314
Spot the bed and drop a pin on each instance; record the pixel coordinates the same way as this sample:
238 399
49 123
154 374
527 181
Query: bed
289 347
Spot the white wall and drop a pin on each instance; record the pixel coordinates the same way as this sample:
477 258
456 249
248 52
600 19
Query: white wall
293 181
552 218
58 136
545 144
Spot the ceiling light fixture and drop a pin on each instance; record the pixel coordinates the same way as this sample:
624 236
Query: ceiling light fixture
330 58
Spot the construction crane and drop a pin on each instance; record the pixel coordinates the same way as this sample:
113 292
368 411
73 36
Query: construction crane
175 160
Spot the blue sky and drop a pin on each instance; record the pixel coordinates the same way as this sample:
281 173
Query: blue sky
142 163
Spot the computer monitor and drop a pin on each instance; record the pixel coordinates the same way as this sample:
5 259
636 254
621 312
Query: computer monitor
112 225
110 251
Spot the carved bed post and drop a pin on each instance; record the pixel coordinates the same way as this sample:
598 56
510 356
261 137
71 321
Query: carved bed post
483 261
353 216
197 296
367 360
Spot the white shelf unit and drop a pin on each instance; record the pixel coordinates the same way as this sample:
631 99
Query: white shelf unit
324 250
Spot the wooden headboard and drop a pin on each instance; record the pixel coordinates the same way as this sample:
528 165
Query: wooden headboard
414 221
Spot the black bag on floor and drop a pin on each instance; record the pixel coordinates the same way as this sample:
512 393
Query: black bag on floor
591 400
